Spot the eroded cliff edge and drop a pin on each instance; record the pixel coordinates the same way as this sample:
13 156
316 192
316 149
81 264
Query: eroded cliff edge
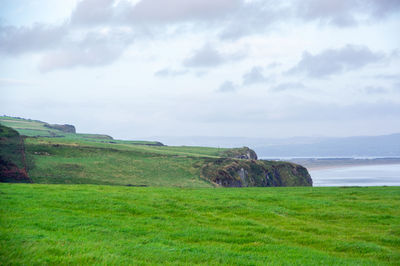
245 171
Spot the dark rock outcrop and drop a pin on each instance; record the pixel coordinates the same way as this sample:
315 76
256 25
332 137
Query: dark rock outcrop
64 128
10 173
12 157
251 173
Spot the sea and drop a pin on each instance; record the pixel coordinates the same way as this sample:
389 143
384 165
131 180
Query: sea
368 175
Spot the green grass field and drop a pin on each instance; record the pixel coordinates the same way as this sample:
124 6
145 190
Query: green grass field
87 224
36 128
67 158
76 161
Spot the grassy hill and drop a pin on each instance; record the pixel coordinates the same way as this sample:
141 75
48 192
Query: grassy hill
36 128
60 157
113 225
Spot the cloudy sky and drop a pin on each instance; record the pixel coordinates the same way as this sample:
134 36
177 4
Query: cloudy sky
254 68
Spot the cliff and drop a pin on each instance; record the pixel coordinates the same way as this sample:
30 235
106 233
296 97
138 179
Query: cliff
64 128
239 167
251 173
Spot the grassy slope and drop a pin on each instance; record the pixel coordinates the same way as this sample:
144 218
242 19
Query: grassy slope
91 159
85 224
62 160
35 128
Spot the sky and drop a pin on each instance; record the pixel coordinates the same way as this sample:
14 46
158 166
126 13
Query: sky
235 68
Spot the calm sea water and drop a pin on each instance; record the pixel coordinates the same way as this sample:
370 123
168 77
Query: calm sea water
371 175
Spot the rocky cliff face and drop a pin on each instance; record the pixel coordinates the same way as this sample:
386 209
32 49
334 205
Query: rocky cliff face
242 169
64 128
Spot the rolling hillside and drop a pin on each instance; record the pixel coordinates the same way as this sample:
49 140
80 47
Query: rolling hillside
60 157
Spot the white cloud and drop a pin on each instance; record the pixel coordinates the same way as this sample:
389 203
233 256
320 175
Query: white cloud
39 37
288 86
166 72
93 50
208 56
227 86
334 61
254 76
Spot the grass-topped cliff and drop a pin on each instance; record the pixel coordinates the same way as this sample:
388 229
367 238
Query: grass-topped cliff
57 156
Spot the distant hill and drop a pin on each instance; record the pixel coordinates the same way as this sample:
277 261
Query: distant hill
37 128
362 146
388 145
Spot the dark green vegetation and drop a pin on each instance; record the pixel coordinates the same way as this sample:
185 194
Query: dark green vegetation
110 225
12 156
68 158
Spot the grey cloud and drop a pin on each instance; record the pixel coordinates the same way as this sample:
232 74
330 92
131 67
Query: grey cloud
288 86
253 17
166 72
92 12
208 56
227 86
177 10
374 90
388 76
273 65
345 13
94 50
254 76
19 40
338 12
231 18
333 61
238 17
260 16
383 8
150 12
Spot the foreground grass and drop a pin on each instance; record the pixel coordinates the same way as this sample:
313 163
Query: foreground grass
86 224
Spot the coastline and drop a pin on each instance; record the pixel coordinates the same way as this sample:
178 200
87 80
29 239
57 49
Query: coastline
313 164
336 166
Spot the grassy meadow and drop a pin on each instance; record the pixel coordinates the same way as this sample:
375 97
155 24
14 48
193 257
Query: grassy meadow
56 157
91 224
77 161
